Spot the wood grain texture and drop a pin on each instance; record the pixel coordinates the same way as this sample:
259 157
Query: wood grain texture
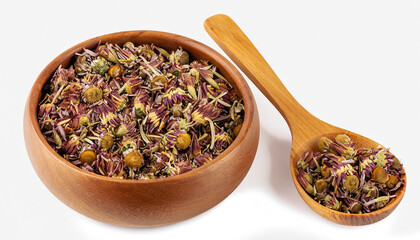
151 202
305 128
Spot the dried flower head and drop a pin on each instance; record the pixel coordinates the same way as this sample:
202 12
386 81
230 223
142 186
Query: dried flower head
351 183
324 144
183 141
379 175
237 129
106 142
88 156
206 111
133 159
320 185
100 65
93 94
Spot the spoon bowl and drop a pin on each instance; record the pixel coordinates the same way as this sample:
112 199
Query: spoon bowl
306 129
332 215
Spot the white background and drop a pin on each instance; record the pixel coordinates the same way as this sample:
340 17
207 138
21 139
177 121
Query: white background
354 64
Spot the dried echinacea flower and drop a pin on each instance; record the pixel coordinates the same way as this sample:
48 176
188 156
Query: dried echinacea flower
379 175
392 182
237 129
107 142
88 156
320 185
324 144
347 179
351 183
140 112
93 94
100 65
133 159
115 71
325 171
183 141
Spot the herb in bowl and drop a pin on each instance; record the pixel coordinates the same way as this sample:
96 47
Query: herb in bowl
139 112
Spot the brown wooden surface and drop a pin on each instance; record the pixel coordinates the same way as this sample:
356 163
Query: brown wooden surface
306 129
150 202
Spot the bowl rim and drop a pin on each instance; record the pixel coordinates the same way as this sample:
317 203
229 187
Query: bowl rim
233 73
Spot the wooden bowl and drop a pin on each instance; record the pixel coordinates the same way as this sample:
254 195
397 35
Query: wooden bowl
146 202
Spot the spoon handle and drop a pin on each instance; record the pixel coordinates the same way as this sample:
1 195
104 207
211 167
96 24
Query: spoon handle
243 53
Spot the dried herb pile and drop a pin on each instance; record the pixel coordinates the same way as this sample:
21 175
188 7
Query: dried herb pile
139 112
347 179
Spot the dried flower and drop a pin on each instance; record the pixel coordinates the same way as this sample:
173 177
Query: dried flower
88 156
205 111
199 70
115 71
325 171
343 138
351 183
188 80
155 118
106 142
81 66
140 112
184 58
379 175
237 129
183 141
350 180
100 65
202 159
355 207
396 164
303 178
174 96
324 144
107 116
107 52
221 141
83 120
159 81
93 94
320 185
72 145
392 182
133 159
330 201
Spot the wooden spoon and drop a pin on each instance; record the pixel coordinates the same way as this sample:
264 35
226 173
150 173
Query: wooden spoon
305 128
